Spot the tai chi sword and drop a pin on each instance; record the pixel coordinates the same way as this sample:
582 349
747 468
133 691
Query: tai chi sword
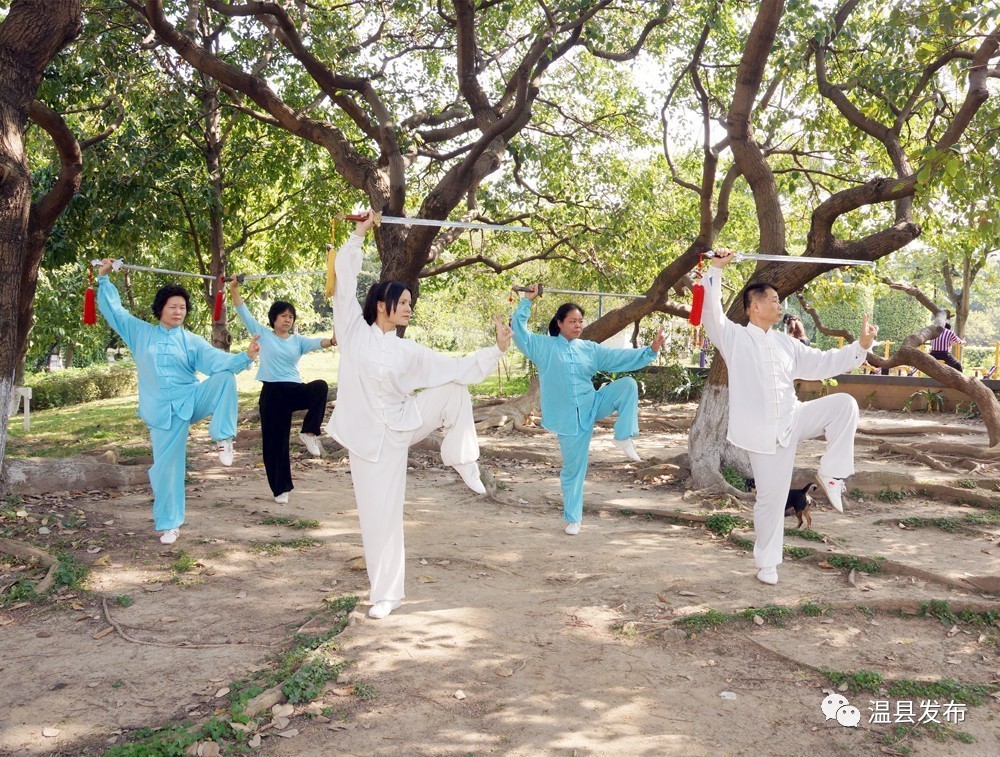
741 256
379 218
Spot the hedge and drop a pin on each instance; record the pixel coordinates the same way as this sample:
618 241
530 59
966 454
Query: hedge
73 386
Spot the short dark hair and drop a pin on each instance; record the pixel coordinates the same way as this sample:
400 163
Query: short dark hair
279 307
755 292
389 292
947 325
564 310
165 293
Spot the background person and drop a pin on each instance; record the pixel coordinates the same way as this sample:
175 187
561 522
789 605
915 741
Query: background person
171 398
570 404
941 347
282 390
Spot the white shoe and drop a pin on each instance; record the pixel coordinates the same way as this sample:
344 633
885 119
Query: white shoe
312 444
282 499
834 489
768 575
626 446
380 609
225 448
573 528
170 536
470 475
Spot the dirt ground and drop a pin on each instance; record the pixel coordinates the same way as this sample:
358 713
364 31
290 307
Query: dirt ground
514 638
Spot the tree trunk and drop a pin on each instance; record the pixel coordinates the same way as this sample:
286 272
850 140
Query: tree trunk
30 36
214 143
709 450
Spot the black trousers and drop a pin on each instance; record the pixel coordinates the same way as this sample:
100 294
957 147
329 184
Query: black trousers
948 358
278 400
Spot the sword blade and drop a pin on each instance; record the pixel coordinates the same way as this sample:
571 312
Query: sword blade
739 256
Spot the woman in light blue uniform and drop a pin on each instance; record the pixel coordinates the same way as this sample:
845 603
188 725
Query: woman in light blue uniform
171 397
570 404
283 392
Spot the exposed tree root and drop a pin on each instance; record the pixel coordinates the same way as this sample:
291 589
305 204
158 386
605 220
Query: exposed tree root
923 430
26 552
915 454
182 645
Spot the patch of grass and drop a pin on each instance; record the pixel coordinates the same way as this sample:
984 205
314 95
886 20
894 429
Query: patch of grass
945 690
734 478
70 573
856 494
699 621
891 495
22 591
364 691
276 520
742 542
307 683
951 525
863 564
990 518
723 523
274 547
938 608
796 553
967 483
124 600
811 609
184 563
304 523
773 614
804 533
626 511
866 611
863 680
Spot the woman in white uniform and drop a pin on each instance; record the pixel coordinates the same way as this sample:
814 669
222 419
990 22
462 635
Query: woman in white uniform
377 415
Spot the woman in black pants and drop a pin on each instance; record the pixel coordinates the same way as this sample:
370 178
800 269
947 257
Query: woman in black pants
283 392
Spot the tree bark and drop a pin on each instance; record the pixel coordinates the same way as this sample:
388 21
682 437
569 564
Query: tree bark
31 35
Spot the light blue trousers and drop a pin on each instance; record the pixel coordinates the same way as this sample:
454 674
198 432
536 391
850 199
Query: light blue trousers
215 396
621 396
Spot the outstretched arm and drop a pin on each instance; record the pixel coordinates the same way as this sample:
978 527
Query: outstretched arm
529 344
347 313
109 302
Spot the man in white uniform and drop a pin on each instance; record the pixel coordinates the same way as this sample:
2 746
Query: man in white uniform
767 419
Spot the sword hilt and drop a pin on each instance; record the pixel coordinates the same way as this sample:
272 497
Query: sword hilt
540 291
360 217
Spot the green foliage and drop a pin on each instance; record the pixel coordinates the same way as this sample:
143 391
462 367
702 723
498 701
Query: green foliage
811 609
890 495
938 608
796 553
723 523
933 401
70 573
945 689
124 600
804 533
773 614
863 680
850 562
698 622
734 478
307 682
184 563
364 691
73 386
671 383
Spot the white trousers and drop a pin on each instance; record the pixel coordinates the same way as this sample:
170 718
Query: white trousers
380 487
834 417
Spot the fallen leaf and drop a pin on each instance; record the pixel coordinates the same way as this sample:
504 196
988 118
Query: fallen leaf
44 530
93 550
426 580
758 620
460 695
503 672
663 599
21 513
443 562
281 723
103 560
727 694
109 523
952 631
342 692
101 634
49 732
953 661
222 692
241 595
852 578
290 734
254 742
43 634
153 587
283 710
208 749
686 594
423 561
357 563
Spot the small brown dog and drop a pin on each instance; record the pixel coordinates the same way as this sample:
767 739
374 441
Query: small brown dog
799 503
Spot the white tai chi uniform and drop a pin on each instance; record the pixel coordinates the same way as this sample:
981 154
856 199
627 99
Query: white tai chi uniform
767 419
377 417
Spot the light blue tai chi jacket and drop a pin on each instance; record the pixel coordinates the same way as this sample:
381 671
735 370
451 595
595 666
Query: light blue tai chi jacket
166 360
565 369
279 358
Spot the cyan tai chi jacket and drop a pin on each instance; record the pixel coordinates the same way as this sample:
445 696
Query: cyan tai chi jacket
279 358
166 360
565 369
